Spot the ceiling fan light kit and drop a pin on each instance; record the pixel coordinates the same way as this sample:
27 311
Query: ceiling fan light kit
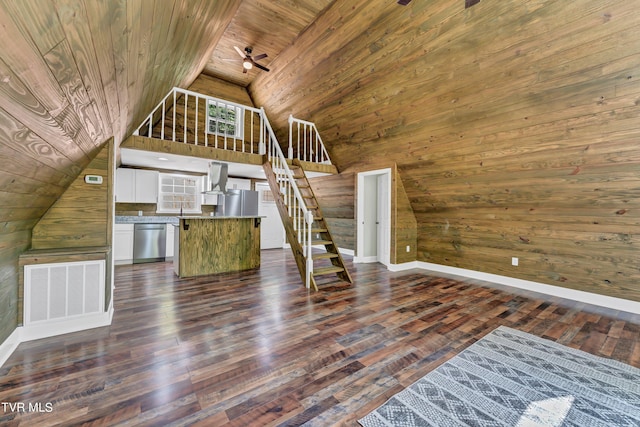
248 61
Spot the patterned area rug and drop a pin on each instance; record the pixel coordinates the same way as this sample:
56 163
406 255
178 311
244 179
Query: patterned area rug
511 378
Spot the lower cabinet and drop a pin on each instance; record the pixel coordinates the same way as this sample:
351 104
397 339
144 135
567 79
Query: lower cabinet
123 243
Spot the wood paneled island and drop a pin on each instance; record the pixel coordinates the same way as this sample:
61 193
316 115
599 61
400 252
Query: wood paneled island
210 245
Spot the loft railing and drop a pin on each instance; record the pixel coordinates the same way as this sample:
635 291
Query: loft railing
305 143
193 118
301 217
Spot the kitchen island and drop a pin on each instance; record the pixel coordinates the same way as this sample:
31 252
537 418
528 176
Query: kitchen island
216 244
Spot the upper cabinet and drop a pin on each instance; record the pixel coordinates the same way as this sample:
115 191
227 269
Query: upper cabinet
136 186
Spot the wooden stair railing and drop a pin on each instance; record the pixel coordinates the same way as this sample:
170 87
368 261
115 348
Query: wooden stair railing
323 263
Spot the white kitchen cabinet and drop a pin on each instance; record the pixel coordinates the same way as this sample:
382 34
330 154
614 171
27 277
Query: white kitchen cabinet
146 186
125 185
136 186
170 240
123 243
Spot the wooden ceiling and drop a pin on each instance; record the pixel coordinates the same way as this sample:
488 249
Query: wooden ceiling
266 26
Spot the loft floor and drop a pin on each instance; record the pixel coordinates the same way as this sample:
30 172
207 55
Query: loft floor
256 348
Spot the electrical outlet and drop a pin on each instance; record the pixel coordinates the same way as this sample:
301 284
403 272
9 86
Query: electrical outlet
514 261
408 248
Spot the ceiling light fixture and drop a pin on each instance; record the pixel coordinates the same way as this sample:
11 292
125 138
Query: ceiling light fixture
247 64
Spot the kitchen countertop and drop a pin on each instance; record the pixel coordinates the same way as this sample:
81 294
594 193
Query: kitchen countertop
146 220
221 217
171 219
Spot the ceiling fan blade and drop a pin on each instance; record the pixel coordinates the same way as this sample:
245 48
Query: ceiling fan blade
259 57
261 67
242 55
244 70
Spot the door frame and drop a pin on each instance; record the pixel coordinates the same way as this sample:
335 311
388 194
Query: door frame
360 203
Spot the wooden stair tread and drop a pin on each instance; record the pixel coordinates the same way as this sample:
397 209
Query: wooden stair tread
322 242
319 230
326 255
327 270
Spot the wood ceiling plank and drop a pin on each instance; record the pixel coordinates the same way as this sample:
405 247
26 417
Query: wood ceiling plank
17 100
15 136
102 22
73 18
119 33
215 33
40 19
139 23
24 185
22 57
71 83
160 70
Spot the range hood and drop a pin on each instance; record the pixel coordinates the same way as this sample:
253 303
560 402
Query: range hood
217 178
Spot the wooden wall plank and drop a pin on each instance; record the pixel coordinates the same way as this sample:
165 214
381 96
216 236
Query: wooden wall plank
512 125
80 217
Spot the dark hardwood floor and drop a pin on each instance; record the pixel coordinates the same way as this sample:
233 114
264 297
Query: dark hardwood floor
256 348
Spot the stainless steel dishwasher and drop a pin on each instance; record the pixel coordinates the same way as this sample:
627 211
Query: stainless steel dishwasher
149 242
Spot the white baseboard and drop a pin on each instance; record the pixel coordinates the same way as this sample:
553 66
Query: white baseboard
556 291
365 259
9 345
51 329
67 326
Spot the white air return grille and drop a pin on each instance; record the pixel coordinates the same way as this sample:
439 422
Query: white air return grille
63 290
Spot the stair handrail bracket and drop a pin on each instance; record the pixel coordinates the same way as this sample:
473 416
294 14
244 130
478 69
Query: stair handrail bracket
305 143
301 216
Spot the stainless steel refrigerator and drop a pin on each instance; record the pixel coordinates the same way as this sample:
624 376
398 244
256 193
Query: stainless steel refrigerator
238 203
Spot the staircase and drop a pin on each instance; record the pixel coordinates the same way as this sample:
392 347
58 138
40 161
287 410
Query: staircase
326 259
314 249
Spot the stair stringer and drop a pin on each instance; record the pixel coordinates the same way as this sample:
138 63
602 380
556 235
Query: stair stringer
287 222
321 223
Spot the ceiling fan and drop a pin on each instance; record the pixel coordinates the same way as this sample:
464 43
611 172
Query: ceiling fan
248 62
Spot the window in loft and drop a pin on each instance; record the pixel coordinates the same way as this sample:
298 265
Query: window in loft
224 119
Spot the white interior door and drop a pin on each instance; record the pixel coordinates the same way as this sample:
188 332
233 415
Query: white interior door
370 217
374 217
271 228
384 218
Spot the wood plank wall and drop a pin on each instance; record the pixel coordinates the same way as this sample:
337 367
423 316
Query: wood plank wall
337 195
82 216
514 125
